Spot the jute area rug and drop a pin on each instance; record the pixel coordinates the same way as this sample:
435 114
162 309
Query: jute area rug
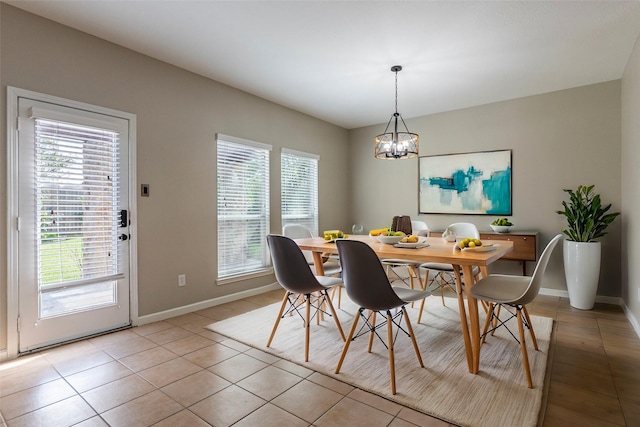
497 396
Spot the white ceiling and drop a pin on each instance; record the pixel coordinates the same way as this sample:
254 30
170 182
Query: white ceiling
332 59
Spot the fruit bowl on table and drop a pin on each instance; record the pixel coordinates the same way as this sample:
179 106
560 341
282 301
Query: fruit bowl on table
501 228
389 240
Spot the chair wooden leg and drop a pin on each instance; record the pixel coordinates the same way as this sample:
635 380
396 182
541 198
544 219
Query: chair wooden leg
348 341
533 335
523 347
485 306
275 326
319 312
442 284
334 314
307 327
426 279
421 310
338 290
424 287
392 363
486 323
410 272
413 337
416 271
496 319
372 317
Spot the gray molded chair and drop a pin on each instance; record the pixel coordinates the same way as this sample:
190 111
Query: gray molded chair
331 266
513 292
368 286
443 274
295 276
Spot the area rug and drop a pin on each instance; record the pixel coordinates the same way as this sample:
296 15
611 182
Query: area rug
497 396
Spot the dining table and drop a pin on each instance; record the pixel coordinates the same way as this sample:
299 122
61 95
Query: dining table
433 249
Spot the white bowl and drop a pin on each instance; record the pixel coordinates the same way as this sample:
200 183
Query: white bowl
501 228
389 240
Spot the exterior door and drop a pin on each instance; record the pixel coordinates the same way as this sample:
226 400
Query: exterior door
73 223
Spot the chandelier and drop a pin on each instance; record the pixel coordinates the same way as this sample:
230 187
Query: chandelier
396 145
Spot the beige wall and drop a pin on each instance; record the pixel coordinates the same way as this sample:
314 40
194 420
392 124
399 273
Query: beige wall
178 115
630 181
559 140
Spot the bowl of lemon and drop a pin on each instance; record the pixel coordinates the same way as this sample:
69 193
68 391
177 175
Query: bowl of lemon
468 242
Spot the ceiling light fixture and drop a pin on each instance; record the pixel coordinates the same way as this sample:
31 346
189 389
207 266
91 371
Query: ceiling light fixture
396 145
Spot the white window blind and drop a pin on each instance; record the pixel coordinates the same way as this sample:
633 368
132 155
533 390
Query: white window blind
76 182
299 186
243 206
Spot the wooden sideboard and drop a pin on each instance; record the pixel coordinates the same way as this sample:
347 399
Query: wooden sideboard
525 245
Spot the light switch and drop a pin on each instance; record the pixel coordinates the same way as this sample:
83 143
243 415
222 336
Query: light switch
144 190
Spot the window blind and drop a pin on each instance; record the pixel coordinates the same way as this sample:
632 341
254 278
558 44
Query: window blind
243 206
299 186
76 181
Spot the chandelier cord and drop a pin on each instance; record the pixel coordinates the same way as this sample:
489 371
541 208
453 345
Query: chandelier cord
396 92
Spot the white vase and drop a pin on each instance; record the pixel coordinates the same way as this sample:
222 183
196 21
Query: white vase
582 272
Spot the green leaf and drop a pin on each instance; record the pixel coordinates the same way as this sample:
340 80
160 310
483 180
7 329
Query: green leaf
586 218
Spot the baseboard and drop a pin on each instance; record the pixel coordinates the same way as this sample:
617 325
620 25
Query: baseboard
178 311
565 294
634 322
554 292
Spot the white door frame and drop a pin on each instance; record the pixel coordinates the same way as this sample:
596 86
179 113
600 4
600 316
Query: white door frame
12 205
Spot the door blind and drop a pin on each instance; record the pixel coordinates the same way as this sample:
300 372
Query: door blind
299 186
243 206
76 181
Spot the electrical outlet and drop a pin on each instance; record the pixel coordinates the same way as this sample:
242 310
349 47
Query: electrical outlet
182 280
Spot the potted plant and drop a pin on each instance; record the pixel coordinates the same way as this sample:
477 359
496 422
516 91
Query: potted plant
587 220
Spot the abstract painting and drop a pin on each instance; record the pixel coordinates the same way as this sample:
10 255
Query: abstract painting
468 183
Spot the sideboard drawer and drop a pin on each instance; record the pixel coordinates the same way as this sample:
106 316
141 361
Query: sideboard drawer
524 245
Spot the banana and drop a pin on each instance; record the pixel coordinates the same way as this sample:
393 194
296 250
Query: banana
378 231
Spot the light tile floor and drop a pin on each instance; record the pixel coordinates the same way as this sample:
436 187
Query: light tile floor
176 373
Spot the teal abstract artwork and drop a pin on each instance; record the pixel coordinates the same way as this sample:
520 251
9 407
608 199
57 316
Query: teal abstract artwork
466 183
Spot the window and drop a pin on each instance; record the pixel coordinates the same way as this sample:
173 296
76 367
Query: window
77 215
299 175
243 206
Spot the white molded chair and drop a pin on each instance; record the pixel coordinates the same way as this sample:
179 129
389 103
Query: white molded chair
418 228
443 274
299 231
515 292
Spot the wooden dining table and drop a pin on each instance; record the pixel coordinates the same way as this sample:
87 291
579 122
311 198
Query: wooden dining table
438 250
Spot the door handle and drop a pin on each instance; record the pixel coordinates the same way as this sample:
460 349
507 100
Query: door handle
123 237
123 218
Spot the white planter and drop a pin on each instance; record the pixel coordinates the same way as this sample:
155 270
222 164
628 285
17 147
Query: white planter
582 272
